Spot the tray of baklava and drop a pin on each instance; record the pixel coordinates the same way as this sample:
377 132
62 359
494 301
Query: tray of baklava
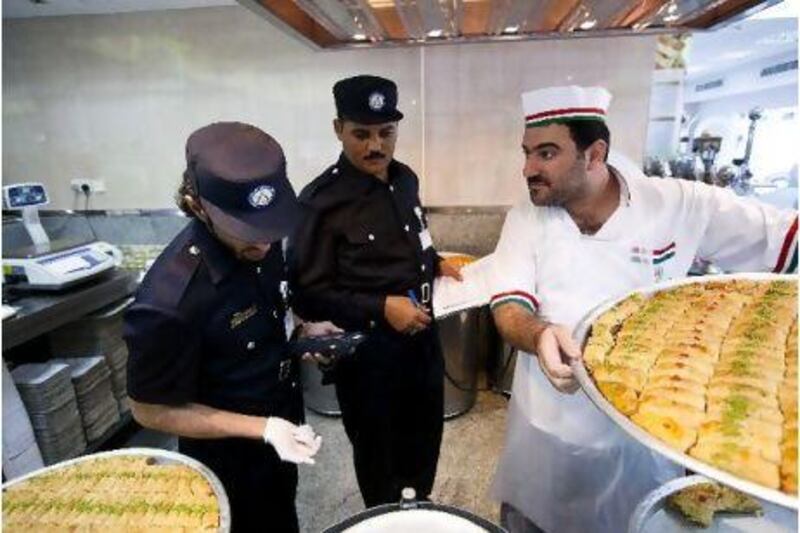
703 371
133 490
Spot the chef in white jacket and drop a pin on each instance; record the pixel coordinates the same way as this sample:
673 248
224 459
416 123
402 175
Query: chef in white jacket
593 230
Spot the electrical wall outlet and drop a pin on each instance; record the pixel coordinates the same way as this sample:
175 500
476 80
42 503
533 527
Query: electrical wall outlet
94 186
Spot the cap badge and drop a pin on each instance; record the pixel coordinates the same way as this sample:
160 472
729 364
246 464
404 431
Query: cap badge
261 196
377 101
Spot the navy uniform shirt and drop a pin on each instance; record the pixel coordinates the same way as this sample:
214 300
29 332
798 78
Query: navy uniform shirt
208 328
361 240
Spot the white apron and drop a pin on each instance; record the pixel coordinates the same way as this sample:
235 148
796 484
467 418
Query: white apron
565 465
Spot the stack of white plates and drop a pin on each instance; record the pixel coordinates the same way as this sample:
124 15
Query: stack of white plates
96 403
98 334
20 452
48 395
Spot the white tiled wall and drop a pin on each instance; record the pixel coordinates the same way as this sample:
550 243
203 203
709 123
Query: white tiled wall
114 97
473 114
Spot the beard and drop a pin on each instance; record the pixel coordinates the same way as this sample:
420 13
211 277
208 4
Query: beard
547 191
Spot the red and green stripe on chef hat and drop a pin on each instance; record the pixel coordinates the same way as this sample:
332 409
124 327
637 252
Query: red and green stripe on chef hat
562 104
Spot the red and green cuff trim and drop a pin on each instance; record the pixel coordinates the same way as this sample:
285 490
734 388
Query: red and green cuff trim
522 298
787 260
561 115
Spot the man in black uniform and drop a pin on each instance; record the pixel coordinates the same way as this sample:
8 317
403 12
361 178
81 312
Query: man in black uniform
364 259
207 332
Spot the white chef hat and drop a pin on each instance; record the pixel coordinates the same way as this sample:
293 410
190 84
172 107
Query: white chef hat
560 104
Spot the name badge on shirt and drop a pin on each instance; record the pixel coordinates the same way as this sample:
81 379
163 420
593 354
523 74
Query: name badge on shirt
425 239
240 317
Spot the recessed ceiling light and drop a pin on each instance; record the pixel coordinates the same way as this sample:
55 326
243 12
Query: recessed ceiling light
359 37
435 33
588 24
511 29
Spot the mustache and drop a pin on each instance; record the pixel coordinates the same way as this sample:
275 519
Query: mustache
374 155
536 180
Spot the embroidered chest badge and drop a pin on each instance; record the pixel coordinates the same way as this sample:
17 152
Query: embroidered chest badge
240 317
656 258
640 254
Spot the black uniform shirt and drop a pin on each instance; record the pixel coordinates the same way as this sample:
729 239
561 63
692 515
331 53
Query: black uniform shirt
208 328
361 240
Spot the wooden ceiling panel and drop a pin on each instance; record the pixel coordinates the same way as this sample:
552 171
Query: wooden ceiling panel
719 13
556 12
640 11
298 20
390 20
478 16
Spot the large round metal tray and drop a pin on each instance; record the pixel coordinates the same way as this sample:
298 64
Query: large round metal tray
161 457
582 331
652 515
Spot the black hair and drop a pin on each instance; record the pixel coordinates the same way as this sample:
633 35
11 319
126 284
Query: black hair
185 189
585 132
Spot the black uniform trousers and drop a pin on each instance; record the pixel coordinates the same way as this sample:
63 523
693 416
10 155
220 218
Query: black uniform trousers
261 488
392 399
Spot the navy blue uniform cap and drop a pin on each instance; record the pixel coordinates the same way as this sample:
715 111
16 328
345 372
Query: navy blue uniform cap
239 174
366 100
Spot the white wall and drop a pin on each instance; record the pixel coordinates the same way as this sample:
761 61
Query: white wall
473 112
113 97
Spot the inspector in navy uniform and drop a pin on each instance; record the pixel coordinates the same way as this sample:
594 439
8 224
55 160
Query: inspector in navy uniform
207 332
362 257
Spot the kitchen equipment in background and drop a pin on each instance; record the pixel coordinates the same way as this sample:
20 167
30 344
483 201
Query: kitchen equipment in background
502 367
412 515
460 335
465 338
466 343
706 147
741 182
45 264
319 397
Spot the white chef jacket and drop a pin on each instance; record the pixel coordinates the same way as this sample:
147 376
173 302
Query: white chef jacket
565 465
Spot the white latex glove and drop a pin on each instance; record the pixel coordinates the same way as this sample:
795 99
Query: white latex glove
557 349
292 443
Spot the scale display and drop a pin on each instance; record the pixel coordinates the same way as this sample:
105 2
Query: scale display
22 195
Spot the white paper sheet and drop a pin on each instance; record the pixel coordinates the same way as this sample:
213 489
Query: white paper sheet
451 296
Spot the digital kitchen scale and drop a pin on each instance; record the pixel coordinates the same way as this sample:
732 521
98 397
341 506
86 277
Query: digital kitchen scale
46 264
